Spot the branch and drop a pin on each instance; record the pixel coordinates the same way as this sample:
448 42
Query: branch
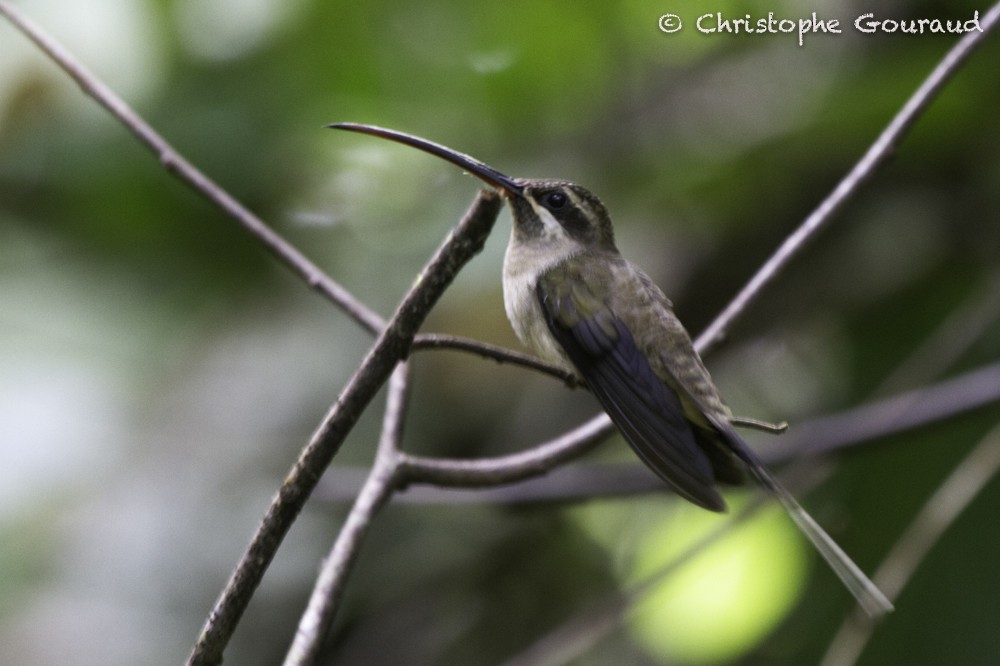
890 416
573 443
518 473
478 473
937 515
962 328
397 337
392 345
378 488
875 157
190 175
174 163
506 469
318 280
494 352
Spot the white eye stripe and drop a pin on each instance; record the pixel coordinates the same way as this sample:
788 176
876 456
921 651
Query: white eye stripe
549 223
546 215
575 199
570 223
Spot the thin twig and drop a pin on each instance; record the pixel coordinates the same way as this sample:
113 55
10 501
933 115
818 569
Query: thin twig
876 156
871 161
392 345
959 331
378 488
494 352
892 415
394 341
175 163
190 175
935 517
563 484
505 469
874 420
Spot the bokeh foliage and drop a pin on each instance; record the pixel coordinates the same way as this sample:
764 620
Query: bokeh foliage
158 372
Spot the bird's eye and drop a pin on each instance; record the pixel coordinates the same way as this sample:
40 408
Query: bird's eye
555 200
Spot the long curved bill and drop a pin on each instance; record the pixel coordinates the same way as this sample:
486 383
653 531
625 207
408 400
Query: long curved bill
470 164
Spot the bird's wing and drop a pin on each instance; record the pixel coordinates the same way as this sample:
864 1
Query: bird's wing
647 411
650 409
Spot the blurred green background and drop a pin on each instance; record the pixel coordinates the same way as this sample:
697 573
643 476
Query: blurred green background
159 371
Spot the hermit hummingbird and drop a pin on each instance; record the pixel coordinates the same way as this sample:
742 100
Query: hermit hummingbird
577 303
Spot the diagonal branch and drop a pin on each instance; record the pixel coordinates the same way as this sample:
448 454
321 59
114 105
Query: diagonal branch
397 337
573 443
879 152
894 414
392 345
955 335
378 488
191 176
176 164
939 512
518 473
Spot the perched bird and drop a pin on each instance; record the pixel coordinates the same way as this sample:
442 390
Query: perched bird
577 303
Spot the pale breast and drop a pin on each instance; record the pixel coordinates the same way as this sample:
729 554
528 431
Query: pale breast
521 270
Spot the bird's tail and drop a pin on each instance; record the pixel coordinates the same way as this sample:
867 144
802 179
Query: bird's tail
871 599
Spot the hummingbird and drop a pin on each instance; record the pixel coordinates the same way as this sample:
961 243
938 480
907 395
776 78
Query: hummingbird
576 302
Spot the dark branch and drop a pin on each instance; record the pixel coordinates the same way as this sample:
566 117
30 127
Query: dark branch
506 469
880 151
498 354
518 474
397 337
392 345
378 488
890 416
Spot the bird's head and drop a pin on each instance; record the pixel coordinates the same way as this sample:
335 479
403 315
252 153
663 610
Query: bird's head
547 213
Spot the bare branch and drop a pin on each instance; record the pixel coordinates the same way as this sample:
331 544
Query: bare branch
892 415
875 157
190 175
505 469
392 345
397 338
965 325
571 443
378 488
173 162
937 515
563 484
519 472
498 354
